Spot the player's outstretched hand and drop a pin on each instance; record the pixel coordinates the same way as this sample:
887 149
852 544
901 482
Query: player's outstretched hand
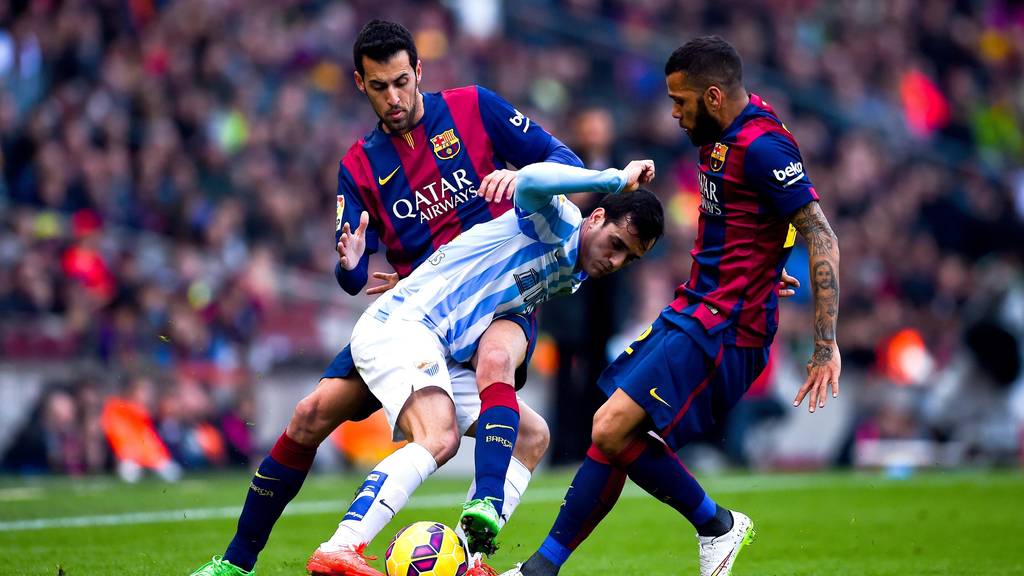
788 285
351 244
822 373
497 186
390 279
638 173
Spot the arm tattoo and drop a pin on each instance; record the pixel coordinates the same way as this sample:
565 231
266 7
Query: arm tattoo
822 355
812 225
824 255
826 294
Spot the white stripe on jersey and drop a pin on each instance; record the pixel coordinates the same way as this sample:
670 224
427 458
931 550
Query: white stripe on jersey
508 265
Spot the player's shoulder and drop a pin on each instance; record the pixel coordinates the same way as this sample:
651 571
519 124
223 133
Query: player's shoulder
767 138
356 153
775 157
356 161
757 124
755 117
558 206
566 209
474 92
461 95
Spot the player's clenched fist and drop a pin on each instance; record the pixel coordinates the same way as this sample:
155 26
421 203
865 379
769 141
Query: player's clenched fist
351 244
498 185
638 173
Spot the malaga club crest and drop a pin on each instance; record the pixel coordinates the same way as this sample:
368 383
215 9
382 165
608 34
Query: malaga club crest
446 144
530 287
718 156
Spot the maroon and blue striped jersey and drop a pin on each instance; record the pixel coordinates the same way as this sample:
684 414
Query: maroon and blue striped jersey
751 182
419 188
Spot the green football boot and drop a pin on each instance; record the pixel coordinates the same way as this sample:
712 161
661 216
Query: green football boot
481 523
221 567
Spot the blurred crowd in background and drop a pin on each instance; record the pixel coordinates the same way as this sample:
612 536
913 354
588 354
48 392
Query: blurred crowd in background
169 172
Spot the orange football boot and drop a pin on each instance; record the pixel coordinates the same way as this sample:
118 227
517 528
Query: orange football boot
348 561
477 567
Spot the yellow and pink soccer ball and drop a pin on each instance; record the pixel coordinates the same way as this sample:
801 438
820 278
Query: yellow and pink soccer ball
426 549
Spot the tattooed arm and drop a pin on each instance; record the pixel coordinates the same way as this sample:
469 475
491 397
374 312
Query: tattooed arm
823 247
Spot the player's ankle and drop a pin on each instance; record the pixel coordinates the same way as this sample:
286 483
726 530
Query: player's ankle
538 565
719 524
344 537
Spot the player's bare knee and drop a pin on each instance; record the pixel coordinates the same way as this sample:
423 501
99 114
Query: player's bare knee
606 435
608 444
494 364
428 419
305 425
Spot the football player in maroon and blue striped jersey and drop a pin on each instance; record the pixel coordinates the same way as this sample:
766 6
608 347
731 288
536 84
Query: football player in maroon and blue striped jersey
684 373
413 183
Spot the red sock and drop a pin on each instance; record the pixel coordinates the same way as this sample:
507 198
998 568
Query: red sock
292 454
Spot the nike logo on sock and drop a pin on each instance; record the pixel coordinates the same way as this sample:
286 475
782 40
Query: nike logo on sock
262 477
492 426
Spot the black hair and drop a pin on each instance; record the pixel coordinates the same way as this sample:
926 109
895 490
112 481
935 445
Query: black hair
706 61
640 211
379 40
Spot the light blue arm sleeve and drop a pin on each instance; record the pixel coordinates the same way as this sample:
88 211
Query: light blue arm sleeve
537 183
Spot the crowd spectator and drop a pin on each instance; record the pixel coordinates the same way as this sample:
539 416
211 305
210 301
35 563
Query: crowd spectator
167 163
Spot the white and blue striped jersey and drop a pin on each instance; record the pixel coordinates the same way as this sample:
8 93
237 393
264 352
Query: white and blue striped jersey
511 264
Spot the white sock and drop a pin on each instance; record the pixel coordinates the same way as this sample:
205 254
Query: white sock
384 492
517 478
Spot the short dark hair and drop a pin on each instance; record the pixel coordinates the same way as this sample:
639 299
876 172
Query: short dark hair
640 211
379 40
706 61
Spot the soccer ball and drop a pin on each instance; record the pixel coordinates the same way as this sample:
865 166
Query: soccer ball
426 549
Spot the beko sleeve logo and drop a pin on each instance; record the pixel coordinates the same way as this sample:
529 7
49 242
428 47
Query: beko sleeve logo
790 174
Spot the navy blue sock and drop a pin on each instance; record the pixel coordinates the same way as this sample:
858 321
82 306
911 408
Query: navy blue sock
719 524
276 482
592 494
655 468
539 565
496 431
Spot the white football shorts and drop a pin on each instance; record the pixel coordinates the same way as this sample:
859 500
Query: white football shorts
397 357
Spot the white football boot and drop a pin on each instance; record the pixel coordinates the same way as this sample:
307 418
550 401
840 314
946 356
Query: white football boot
718 553
513 572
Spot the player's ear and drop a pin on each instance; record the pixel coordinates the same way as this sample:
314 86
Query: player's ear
359 81
597 217
419 70
713 98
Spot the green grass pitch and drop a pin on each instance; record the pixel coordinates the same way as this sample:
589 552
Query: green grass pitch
958 523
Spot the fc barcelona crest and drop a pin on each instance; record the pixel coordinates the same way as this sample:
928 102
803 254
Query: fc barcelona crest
718 156
446 144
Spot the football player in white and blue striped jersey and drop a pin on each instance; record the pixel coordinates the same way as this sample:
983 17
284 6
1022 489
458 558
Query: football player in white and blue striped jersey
412 345
515 262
